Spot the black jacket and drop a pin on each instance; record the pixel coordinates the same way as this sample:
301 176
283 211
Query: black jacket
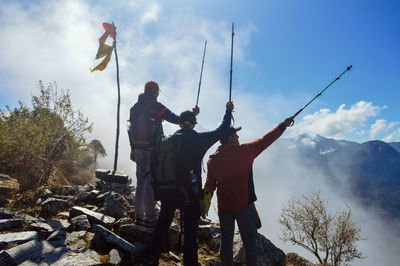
157 110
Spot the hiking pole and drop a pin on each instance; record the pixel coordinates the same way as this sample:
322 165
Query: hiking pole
230 83
201 73
319 94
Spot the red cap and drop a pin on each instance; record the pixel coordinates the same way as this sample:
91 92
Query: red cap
151 86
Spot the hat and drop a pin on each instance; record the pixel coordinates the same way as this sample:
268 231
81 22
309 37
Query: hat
231 131
187 117
151 86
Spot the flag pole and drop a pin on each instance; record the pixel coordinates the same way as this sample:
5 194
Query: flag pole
119 101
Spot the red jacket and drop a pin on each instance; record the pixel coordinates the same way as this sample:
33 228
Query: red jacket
230 171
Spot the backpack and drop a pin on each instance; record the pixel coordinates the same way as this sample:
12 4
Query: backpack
143 127
172 167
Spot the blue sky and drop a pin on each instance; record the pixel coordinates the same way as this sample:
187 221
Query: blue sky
284 53
283 49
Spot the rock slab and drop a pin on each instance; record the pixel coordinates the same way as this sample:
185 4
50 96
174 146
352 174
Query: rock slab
112 238
94 217
17 238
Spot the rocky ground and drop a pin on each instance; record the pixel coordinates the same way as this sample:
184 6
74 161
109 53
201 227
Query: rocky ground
93 225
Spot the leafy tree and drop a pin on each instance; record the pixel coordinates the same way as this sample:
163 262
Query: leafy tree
38 141
331 238
96 149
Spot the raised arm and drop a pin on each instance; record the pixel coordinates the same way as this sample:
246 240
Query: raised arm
211 137
256 147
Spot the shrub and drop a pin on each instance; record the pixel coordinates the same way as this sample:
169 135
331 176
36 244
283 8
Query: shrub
36 141
331 238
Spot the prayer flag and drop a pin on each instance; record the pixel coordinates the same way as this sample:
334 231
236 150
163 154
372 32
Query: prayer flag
104 49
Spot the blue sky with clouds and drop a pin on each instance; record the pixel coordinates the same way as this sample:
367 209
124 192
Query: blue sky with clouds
284 50
284 53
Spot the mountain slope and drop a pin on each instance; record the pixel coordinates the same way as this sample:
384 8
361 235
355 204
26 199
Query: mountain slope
372 168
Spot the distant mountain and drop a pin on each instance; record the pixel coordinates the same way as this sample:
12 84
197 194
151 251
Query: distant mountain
395 145
373 167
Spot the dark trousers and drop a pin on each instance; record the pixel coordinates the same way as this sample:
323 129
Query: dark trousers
246 220
191 214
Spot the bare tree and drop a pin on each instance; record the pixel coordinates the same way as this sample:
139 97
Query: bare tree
331 238
97 149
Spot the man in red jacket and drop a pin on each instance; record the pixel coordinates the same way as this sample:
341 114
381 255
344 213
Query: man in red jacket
230 172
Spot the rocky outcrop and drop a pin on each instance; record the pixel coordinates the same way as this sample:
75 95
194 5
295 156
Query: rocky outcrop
95 225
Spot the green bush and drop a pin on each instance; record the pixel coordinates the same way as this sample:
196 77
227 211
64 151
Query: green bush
38 140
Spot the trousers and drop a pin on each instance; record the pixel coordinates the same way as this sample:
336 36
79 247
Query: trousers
145 205
191 217
246 220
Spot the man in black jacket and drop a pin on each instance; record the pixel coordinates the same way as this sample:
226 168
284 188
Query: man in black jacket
154 113
201 142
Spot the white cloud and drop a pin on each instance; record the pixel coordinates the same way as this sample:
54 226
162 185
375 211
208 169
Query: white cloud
152 12
381 126
336 124
378 127
393 136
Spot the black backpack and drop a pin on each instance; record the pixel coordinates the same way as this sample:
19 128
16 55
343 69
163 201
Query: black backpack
143 127
172 167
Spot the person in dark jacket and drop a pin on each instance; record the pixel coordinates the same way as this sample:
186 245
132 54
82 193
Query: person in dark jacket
201 142
144 198
230 172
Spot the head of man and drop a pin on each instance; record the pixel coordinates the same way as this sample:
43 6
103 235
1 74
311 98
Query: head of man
187 119
232 137
152 87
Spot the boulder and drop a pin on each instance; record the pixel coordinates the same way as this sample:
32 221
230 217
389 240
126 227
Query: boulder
267 253
109 177
29 218
46 228
10 224
94 217
67 256
208 231
93 195
17 238
135 233
80 222
31 250
6 214
117 256
113 239
52 206
82 196
114 207
45 193
57 238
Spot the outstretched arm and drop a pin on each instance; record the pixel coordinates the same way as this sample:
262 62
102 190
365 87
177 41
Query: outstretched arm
169 116
258 146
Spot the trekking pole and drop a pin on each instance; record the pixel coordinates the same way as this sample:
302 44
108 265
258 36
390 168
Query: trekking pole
201 73
319 94
230 83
